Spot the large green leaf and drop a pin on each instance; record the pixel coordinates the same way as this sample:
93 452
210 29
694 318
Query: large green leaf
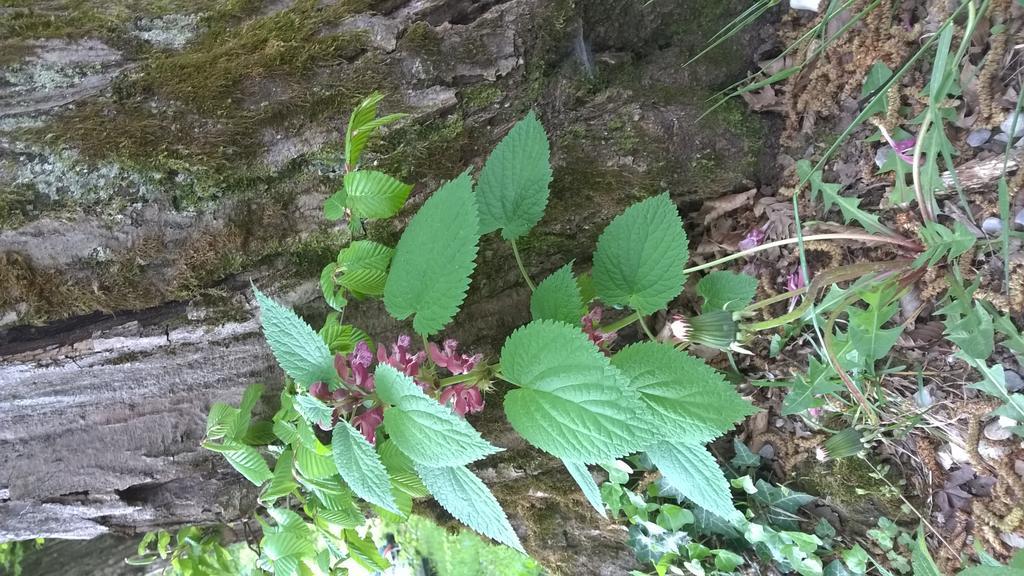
282 482
692 471
513 188
725 290
360 467
434 259
246 459
299 350
314 411
466 498
364 265
571 402
558 298
586 482
427 432
371 194
640 256
688 400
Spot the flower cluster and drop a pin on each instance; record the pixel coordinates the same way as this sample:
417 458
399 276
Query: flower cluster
591 327
355 397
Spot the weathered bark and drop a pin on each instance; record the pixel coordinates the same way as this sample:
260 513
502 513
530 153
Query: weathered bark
126 315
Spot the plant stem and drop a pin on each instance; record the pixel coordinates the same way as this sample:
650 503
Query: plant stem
650 335
850 236
620 323
851 386
522 269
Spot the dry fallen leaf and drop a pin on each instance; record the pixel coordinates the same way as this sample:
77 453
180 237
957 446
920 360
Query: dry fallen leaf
718 207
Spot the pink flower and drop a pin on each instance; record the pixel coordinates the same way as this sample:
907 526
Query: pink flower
464 399
448 357
319 391
354 369
400 358
900 147
795 281
753 239
368 422
591 322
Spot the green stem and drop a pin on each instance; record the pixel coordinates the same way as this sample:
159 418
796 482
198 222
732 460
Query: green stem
620 323
862 237
474 375
522 269
650 335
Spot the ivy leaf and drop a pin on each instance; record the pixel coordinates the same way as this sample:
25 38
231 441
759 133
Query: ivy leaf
372 194
688 401
744 457
427 432
513 187
466 498
640 256
314 411
365 267
362 124
434 259
246 459
299 351
558 298
781 503
360 467
724 290
570 401
581 475
692 471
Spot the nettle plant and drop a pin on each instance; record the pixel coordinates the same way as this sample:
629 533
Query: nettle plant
384 422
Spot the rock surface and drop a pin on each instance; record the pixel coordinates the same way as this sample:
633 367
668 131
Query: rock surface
155 157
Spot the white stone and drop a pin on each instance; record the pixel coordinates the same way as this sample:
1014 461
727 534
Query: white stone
811 5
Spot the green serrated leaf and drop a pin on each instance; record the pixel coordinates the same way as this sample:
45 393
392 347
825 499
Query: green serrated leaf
360 467
342 338
282 483
558 298
246 459
434 259
372 194
333 294
365 267
641 255
920 559
724 290
362 124
334 207
512 191
804 391
570 401
314 411
830 194
581 475
687 400
299 351
424 430
942 243
466 498
867 336
692 471
401 470
219 420
364 552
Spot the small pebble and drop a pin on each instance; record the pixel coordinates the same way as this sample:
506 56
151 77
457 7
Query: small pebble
992 226
996 431
1014 383
1008 124
811 5
1018 467
978 137
1019 219
1013 540
767 452
881 155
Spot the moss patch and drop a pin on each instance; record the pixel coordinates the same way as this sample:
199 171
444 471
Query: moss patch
851 485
